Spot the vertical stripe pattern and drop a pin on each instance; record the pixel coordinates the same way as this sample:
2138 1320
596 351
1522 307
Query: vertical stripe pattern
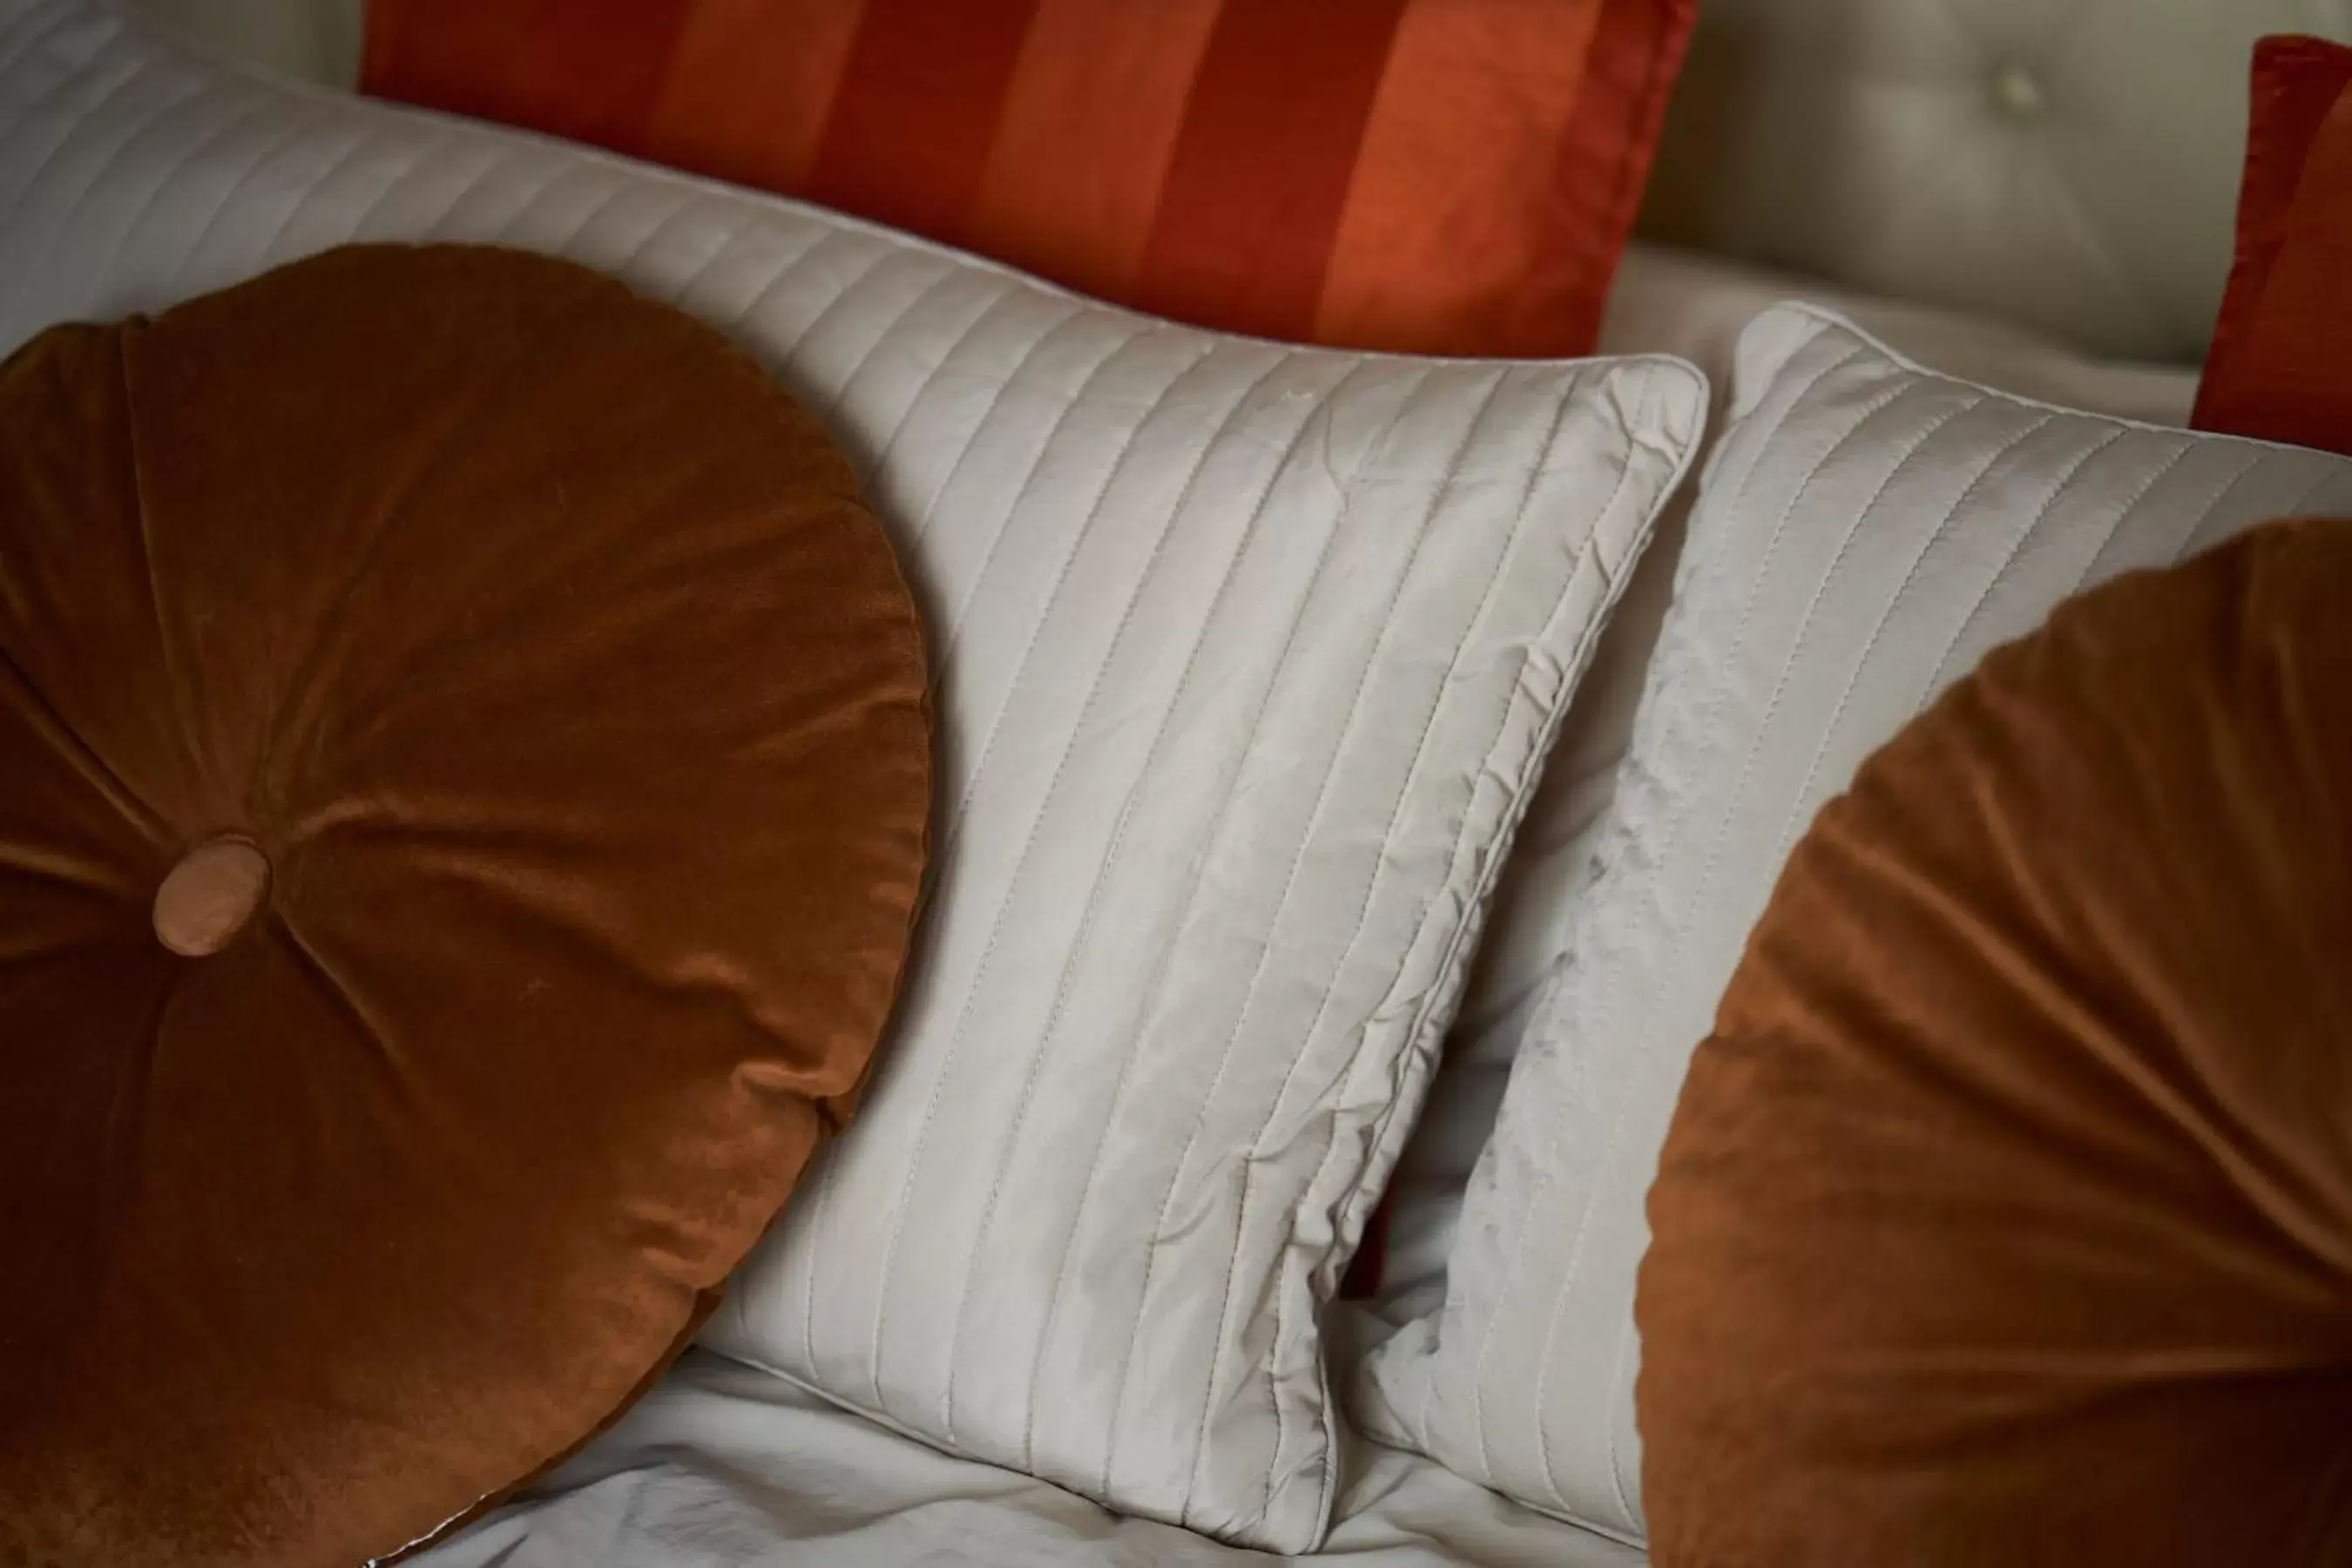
1251 208
919 97
595 75
1448 201
1440 176
748 92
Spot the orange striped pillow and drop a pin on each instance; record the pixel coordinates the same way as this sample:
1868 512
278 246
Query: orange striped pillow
1449 176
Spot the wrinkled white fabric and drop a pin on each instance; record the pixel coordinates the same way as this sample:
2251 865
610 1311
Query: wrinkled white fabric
723 1464
1865 530
1692 307
1246 657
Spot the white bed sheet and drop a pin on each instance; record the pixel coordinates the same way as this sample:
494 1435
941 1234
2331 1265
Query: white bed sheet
723 1464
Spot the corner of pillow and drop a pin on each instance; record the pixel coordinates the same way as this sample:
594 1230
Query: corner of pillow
1774 337
1659 403
1394 1366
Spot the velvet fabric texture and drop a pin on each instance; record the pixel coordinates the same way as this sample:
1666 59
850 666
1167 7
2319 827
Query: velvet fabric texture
2281 365
538 720
1435 176
2007 1214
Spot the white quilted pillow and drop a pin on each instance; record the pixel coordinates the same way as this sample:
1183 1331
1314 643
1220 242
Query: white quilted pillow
1866 530
1246 659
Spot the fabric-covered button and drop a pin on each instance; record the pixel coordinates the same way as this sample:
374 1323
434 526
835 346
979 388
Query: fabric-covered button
210 896
2018 91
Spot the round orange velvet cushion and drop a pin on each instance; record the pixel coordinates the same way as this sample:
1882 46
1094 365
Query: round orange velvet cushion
464 766
2007 1216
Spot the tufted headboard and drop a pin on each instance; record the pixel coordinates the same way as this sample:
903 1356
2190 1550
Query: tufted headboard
2071 164
2068 164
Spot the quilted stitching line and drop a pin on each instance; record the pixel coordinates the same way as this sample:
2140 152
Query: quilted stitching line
1535 765
1523 793
1620 1354
1319 419
2330 474
877 262
679 292
923 519
1548 1176
786 269
1545 1180
42 40
571 245
626 267
1020 495
1625 1333
98 276
1573 671
27 24
1578 663
1757 429
1887 614
827 1178
1156 985
1020 669
881 344
1249 994
391 189
2215 508
981 318
276 149
2115 528
1763 431
1362 916
874 261
43 167
2122 518
1551 982
1698 897
1457 1302
302 203
1010 1141
38 40
1984 596
503 234
445 220
1520 798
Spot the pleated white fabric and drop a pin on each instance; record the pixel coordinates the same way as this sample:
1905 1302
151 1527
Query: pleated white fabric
1247 660
1865 532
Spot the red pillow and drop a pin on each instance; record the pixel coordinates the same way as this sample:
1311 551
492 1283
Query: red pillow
2281 366
1444 176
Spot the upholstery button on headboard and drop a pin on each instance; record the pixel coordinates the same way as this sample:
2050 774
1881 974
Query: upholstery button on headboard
2018 92
2071 164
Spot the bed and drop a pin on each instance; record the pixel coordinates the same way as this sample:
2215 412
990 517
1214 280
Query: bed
2029 194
